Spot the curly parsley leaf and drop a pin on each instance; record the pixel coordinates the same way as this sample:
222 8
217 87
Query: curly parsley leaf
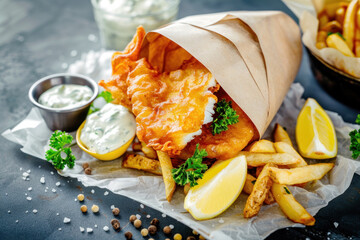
60 153
191 170
225 116
106 96
355 140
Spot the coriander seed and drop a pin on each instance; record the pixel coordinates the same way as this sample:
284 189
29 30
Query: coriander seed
116 211
85 165
115 224
191 238
88 171
83 208
80 197
167 230
128 235
137 223
195 232
132 218
177 236
155 222
144 232
152 229
95 208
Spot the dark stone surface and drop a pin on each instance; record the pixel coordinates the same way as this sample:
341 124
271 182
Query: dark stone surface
36 38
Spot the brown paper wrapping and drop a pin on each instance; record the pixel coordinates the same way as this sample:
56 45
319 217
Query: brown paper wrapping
254 56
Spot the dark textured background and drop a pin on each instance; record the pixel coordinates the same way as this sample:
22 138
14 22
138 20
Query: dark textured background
36 38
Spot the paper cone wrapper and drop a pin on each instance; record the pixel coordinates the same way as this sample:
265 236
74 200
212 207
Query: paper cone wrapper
254 56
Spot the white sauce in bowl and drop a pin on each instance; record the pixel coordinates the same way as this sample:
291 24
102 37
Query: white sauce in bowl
65 96
108 129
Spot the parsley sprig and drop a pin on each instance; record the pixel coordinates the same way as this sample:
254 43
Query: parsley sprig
191 170
108 98
226 115
60 145
355 140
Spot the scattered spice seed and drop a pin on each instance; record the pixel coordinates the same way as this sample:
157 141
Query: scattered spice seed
155 222
88 171
201 237
191 238
167 230
177 236
144 232
116 211
128 235
152 229
115 224
151 239
132 218
85 165
137 223
167 238
195 232
95 208
81 197
83 208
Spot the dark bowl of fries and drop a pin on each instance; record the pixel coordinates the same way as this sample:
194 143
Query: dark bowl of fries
337 83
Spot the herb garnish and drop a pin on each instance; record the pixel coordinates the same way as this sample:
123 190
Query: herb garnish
253 181
226 115
191 170
287 190
60 143
355 140
108 98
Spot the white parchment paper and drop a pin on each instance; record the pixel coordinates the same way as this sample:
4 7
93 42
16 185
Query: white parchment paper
32 134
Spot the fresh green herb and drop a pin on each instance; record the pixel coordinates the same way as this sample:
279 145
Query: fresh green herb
191 170
226 115
60 145
340 35
287 190
105 95
355 140
253 181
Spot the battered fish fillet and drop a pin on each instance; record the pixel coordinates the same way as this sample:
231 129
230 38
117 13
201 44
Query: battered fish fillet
227 144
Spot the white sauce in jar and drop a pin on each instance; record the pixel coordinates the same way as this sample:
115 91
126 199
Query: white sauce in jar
108 129
65 96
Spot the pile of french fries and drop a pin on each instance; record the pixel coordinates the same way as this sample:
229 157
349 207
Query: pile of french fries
339 28
272 166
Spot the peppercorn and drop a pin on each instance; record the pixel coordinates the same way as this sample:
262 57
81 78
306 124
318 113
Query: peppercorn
191 238
155 222
128 235
116 211
202 237
132 218
115 224
95 208
88 171
137 223
83 208
177 236
85 165
195 232
144 232
80 197
167 230
152 229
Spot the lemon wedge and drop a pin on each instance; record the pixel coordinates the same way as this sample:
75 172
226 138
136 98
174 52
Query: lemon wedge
315 132
218 189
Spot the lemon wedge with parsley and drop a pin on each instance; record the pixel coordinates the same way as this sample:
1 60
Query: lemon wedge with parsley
218 189
315 132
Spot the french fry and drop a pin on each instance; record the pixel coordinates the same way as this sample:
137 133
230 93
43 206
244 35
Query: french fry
333 26
280 135
148 151
261 159
283 147
136 146
166 166
349 23
357 42
290 207
340 15
259 193
323 19
262 145
142 163
258 171
321 40
301 174
335 41
269 199
249 185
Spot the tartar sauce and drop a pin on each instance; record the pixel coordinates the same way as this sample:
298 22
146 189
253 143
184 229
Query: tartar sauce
108 129
65 96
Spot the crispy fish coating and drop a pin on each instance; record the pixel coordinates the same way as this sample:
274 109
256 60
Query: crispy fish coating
227 144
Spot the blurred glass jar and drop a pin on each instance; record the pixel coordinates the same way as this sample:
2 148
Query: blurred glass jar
118 19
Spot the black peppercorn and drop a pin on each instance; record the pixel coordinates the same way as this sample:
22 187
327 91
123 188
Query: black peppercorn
116 224
152 229
155 222
116 211
128 235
